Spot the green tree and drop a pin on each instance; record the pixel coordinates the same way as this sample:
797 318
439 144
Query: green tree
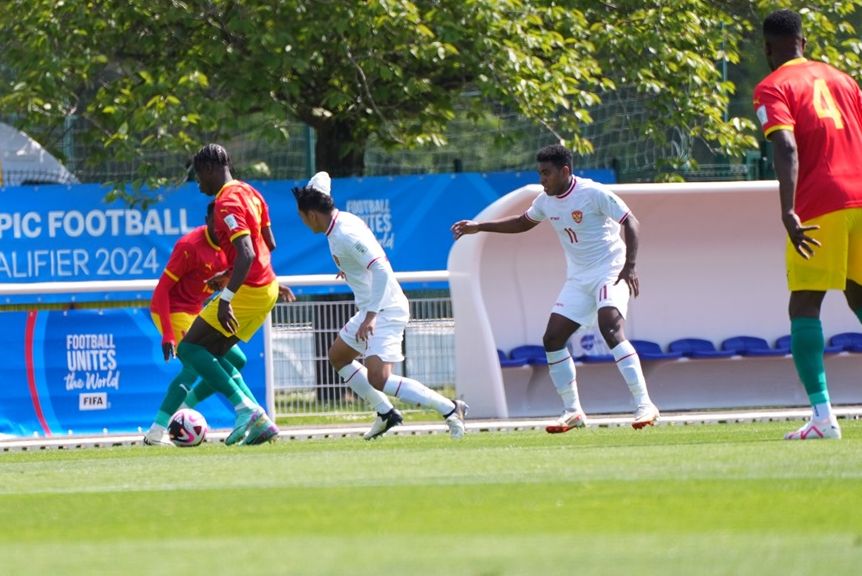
166 75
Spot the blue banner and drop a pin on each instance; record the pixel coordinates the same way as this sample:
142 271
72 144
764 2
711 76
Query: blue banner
90 371
68 233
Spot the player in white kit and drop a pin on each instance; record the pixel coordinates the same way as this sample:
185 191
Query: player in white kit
588 218
376 331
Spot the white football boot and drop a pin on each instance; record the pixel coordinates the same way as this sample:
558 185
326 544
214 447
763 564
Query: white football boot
383 423
645 415
157 436
826 429
569 420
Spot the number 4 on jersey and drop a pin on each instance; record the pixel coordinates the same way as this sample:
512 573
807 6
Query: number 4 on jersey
824 104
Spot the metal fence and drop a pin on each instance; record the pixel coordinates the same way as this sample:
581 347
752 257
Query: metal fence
306 384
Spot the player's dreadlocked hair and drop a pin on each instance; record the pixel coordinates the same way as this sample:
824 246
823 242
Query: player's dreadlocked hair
556 154
783 24
211 155
309 199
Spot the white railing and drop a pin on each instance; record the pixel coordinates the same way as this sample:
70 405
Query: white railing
88 287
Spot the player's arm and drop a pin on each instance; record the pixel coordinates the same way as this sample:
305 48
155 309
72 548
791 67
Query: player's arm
510 225
268 237
161 305
245 256
631 237
786 162
380 273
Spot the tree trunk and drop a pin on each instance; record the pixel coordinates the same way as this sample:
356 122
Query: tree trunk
339 150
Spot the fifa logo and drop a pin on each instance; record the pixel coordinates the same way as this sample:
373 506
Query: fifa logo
577 216
93 401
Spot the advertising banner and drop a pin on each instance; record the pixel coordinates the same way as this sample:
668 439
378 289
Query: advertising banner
69 233
95 371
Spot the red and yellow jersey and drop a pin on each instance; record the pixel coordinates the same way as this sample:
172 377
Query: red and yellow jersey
240 210
195 259
182 288
822 106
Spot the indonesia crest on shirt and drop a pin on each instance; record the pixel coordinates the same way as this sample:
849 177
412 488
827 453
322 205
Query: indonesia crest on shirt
577 216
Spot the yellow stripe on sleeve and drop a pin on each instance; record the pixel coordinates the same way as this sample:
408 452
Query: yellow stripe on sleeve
776 128
238 234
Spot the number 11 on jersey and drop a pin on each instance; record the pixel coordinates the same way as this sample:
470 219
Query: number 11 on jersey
573 237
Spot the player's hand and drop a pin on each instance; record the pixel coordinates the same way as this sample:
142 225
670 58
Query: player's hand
796 232
341 275
169 349
630 276
285 294
366 329
226 317
464 227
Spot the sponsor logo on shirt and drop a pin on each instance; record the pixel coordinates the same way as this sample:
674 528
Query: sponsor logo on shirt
360 247
761 115
577 216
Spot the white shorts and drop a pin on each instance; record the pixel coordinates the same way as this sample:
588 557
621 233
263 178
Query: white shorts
580 301
386 342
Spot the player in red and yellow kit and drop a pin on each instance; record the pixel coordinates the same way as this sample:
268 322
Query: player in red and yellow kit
243 231
813 115
189 279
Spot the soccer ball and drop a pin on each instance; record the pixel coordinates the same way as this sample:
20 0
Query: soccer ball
187 428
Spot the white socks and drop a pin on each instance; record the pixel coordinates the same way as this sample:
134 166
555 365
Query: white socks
355 375
414 392
629 365
561 367
823 411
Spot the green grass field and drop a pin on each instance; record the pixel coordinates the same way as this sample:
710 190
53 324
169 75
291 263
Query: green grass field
704 499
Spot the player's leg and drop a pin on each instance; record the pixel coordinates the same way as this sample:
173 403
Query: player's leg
853 287
178 389
412 391
201 391
853 293
343 358
612 301
197 351
384 349
561 369
808 281
573 308
207 341
806 345
612 326
173 400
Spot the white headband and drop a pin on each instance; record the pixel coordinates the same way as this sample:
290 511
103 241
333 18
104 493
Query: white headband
321 182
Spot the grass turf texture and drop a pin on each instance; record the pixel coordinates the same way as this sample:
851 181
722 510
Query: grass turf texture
706 499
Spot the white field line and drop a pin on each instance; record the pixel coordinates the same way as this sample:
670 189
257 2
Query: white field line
10 444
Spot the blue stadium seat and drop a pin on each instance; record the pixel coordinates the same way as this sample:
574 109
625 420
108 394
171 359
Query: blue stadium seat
648 350
849 341
751 346
783 343
698 348
506 362
596 358
532 353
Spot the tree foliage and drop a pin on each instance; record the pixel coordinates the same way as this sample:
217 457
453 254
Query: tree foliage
167 75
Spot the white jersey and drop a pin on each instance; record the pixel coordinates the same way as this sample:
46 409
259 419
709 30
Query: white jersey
354 249
587 220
